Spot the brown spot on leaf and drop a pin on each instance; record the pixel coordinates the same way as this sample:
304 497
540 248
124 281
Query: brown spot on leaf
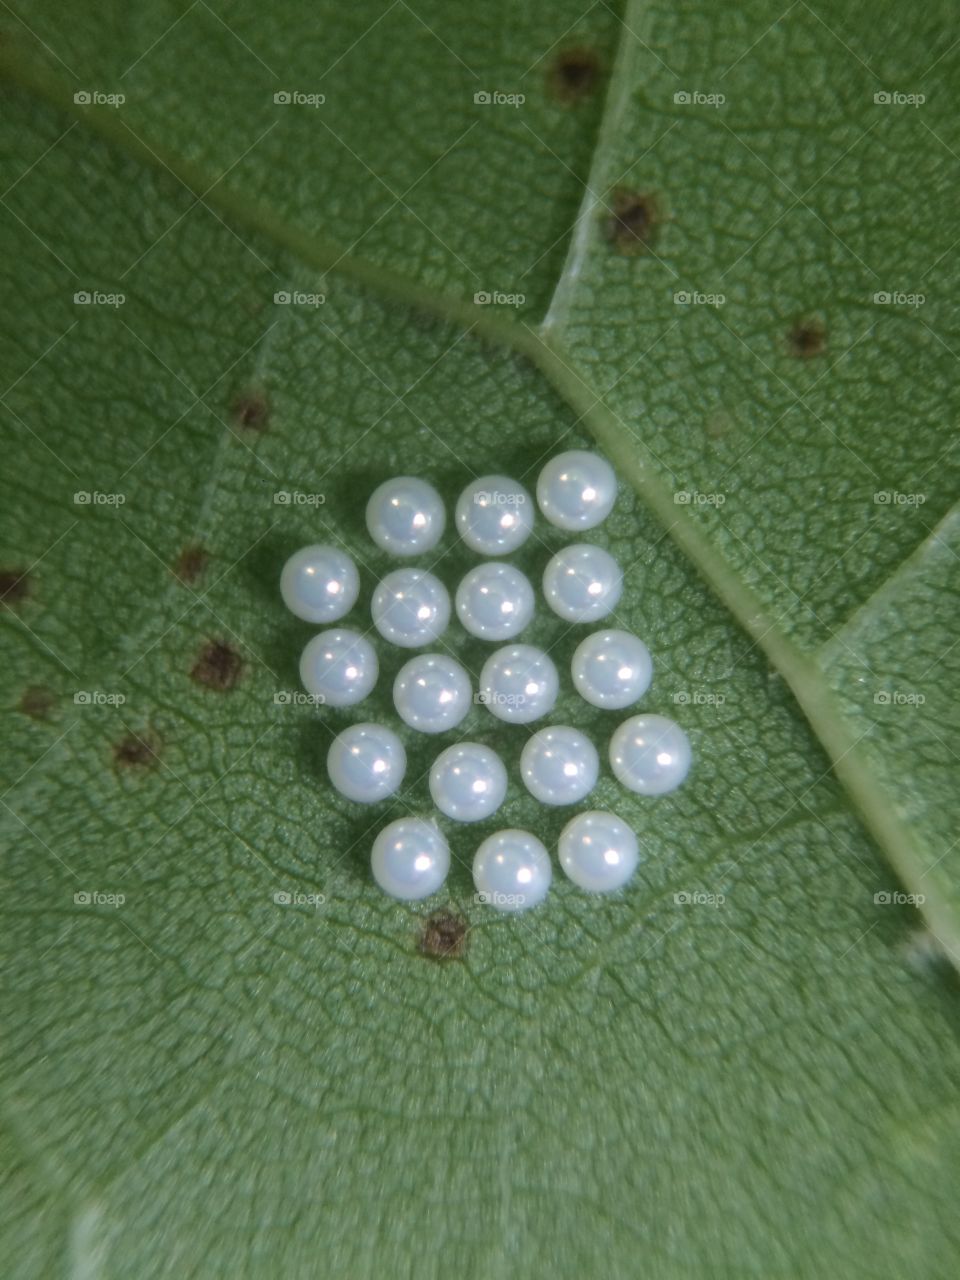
37 702
633 221
443 935
190 564
251 410
136 750
573 74
14 586
808 338
218 666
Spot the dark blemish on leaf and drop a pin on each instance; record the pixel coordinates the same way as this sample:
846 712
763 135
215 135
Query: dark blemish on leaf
14 586
251 410
135 750
218 666
37 702
634 220
190 564
808 338
443 936
573 74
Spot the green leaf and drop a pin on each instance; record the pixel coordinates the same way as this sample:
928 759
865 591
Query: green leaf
199 1080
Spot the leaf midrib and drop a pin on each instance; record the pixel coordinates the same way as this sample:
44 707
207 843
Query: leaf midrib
801 671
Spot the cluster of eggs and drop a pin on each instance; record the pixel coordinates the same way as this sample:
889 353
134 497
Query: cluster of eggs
495 601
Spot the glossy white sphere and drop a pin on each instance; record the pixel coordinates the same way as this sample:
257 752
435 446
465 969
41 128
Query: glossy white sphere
598 851
650 754
512 870
405 516
366 762
582 583
519 683
559 765
468 782
319 583
410 608
410 859
611 669
339 666
495 601
576 490
494 515
432 693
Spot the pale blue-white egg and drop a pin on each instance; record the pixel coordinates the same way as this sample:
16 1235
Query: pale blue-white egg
366 762
611 669
432 692
582 583
494 515
559 765
339 666
519 683
410 858
598 851
410 608
650 754
405 516
468 782
576 490
495 601
512 871
319 583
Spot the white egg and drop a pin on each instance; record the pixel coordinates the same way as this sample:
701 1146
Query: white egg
598 851
559 765
650 754
582 583
339 666
519 683
319 583
410 608
512 871
611 669
405 516
410 858
576 490
432 693
366 762
468 782
495 601
494 515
